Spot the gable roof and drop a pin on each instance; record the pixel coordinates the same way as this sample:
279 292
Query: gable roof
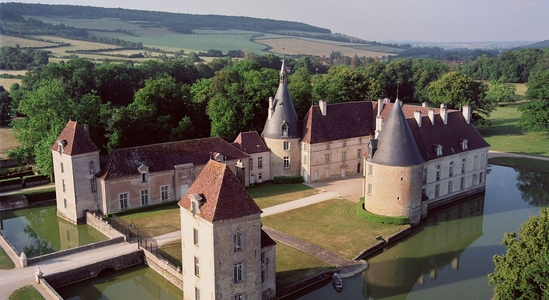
448 135
342 121
224 197
76 140
164 156
396 145
250 142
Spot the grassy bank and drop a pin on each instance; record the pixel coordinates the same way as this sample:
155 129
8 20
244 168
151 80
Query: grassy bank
156 221
26 293
270 194
521 162
5 261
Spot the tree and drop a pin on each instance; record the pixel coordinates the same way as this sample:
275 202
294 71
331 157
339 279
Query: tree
301 90
535 114
341 84
523 271
5 106
457 89
500 91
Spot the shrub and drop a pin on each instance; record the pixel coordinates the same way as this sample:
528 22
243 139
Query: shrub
10 181
379 218
34 178
288 179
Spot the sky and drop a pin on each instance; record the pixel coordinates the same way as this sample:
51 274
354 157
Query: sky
376 20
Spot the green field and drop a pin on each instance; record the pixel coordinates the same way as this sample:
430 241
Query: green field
26 293
5 260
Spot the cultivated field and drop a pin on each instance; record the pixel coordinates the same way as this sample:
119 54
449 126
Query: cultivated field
7 82
7 141
100 24
11 41
294 46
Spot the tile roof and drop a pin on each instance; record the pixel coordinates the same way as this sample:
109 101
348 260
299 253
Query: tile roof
448 135
224 197
250 142
77 141
164 156
266 240
342 121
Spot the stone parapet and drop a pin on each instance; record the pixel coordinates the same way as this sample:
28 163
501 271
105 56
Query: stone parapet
164 268
57 254
104 227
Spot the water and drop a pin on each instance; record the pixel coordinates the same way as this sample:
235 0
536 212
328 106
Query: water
449 255
136 283
38 231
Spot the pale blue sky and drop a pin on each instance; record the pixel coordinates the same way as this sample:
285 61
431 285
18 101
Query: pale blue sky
380 20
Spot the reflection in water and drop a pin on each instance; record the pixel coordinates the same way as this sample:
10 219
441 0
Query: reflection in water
533 186
38 231
137 282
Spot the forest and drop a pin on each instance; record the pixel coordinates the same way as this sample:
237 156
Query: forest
172 99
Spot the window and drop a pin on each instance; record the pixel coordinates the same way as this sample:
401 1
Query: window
260 177
370 169
237 272
475 166
195 236
439 150
286 162
239 297
196 267
262 257
194 208
94 185
144 177
164 192
437 190
450 187
62 168
474 179
284 130
91 168
359 153
286 145
328 146
480 178
360 141
262 274
237 242
438 173
65 202
251 163
327 158
424 176
463 144
451 169
462 183
63 183
260 162
196 293
343 143
123 199
369 188
463 166
144 197
343 155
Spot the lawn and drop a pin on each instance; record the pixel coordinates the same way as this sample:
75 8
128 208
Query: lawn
156 221
270 194
5 261
505 136
172 252
26 293
8 141
331 224
521 162
293 265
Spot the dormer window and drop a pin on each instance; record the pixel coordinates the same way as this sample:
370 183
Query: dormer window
438 149
463 144
196 202
284 129
92 171
144 171
61 144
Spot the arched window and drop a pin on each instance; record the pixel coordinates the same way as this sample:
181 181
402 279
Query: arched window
284 129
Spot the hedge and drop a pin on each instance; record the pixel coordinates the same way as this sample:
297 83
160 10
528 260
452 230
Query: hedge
143 208
10 181
288 179
34 178
379 218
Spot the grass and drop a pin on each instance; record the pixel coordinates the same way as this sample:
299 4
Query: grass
11 41
5 261
293 265
172 252
270 194
504 135
7 82
8 141
521 162
331 224
520 91
156 221
26 293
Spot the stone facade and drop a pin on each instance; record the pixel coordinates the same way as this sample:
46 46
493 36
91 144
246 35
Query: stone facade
284 157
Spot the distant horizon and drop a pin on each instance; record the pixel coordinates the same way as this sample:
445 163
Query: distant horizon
421 21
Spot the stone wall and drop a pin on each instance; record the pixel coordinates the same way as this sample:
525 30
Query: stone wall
104 227
86 272
51 291
37 259
165 269
302 284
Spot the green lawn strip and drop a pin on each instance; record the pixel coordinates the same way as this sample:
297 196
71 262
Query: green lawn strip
156 221
26 293
521 162
293 265
5 261
172 252
333 225
270 194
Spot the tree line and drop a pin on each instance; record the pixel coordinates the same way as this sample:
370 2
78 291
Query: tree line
15 58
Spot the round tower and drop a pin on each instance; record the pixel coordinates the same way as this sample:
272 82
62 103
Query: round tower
394 169
282 131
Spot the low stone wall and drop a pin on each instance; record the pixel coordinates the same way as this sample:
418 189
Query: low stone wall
51 291
305 283
104 227
166 270
10 187
13 202
10 250
86 272
461 196
8 163
397 236
57 254
371 249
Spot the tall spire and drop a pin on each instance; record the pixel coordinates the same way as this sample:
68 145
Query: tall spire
283 76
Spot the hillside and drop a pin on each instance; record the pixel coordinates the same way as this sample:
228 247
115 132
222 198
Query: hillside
538 45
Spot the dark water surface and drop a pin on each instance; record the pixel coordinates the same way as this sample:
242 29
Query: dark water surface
449 255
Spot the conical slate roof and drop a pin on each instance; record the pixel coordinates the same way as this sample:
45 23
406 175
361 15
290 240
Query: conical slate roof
396 145
283 112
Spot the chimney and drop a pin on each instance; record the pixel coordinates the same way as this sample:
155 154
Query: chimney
425 104
87 129
444 113
379 125
380 106
417 116
372 147
322 105
271 109
431 115
467 113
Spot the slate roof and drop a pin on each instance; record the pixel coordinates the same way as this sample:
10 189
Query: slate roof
342 121
223 196
164 156
266 240
250 142
396 145
77 141
284 112
449 136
